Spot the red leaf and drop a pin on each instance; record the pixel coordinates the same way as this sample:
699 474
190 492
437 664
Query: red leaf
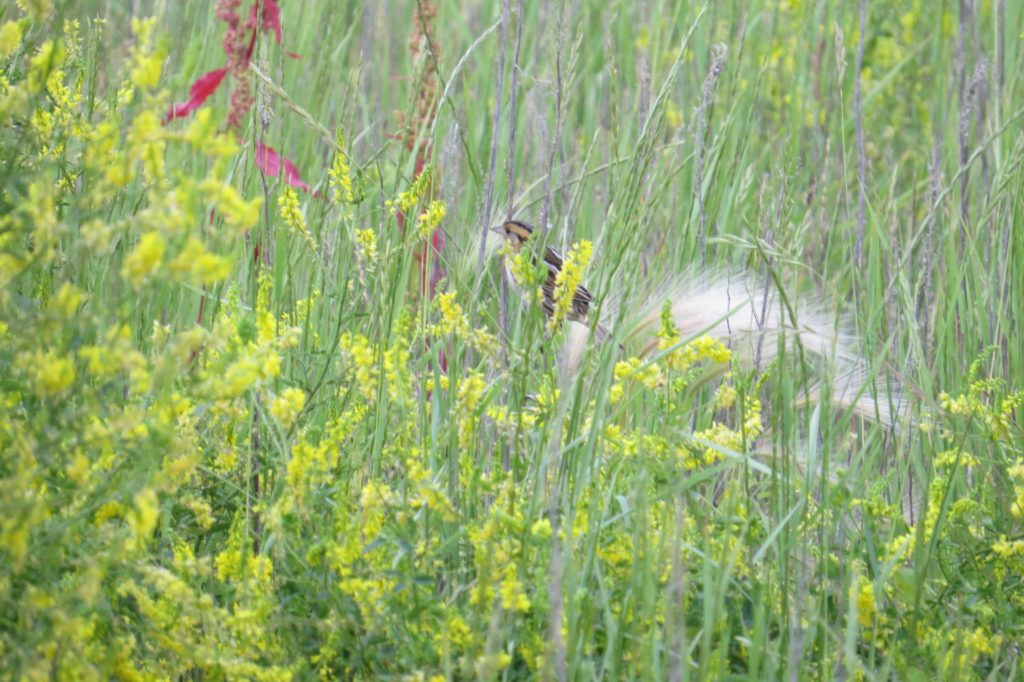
269 161
272 18
200 91
437 246
271 21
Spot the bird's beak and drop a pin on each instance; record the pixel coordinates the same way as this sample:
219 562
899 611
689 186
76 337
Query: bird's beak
496 230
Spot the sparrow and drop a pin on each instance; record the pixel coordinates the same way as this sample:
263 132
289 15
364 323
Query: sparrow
516 233
733 308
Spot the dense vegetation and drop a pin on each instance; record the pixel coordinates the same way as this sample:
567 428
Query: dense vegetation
270 411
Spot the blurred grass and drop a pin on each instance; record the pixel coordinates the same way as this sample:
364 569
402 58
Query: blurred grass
765 553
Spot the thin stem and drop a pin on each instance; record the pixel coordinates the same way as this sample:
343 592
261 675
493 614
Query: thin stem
858 120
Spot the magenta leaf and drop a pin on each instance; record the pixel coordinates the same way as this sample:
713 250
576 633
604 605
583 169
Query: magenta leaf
200 91
269 161
272 18
271 21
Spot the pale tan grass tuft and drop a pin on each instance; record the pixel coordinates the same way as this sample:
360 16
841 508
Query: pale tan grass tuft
754 321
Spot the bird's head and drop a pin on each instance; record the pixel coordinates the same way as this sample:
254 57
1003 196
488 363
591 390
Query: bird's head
514 232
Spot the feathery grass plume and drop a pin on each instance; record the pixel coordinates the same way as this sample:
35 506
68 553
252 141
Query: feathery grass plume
752 320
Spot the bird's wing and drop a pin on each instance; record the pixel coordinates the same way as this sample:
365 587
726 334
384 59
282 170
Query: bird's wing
553 260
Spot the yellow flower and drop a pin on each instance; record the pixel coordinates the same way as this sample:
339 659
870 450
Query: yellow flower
682 358
39 10
523 269
410 198
291 214
147 257
863 592
453 320
146 64
363 364
47 59
468 396
428 221
10 38
725 396
198 266
634 369
541 529
471 389
49 373
146 144
142 519
237 212
287 406
513 598
366 244
1006 549
66 301
340 174
106 512
568 279
673 115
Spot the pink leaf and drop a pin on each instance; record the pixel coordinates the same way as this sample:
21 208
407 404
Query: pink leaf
272 18
271 21
200 91
437 246
269 161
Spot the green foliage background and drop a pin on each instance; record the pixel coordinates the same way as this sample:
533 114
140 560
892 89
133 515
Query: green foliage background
298 465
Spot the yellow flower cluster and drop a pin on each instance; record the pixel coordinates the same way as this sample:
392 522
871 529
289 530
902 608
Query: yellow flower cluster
411 197
117 354
455 323
862 593
146 61
287 406
1016 473
428 491
568 279
702 348
371 368
50 373
508 422
524 270
37 10
737 441
340 173
291 214
468 396
145 259
679 356
307 463
197 265
428 221
143 517
366 246
362 363
496 542
10 38
961 647
978 403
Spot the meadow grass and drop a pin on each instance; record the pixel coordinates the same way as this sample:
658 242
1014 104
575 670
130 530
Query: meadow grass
252 430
